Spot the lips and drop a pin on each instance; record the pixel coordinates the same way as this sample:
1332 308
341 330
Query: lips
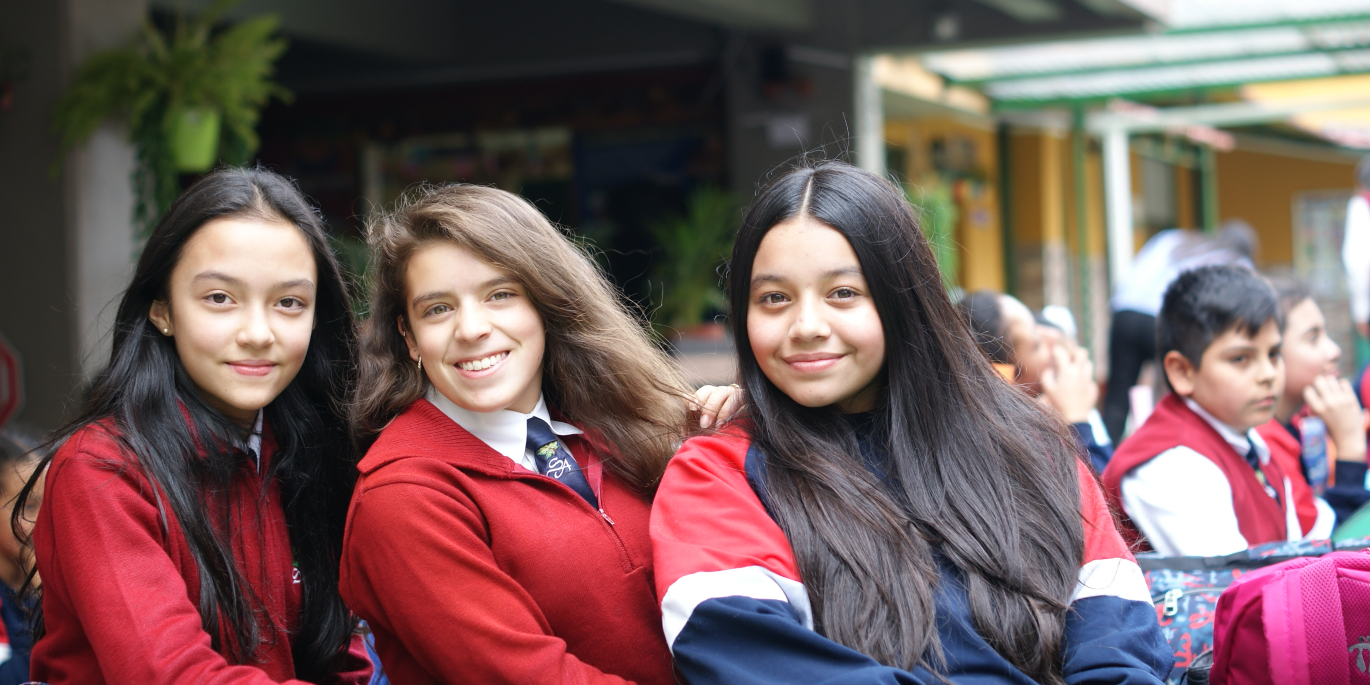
812 362
482 363
252 367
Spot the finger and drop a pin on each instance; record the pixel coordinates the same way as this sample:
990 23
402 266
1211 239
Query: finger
709 405
1313 399
1048 380
730 407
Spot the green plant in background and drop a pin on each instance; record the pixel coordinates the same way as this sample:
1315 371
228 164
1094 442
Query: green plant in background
937 217
190 98
692 248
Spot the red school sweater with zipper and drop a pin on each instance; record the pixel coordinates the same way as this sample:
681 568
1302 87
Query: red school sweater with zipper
121 589
472 569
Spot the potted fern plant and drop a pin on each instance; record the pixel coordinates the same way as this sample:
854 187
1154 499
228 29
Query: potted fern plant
190 98
692 248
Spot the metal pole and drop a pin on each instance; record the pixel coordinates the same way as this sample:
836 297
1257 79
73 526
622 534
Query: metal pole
870 117
1208 164
1077 168
1009 245
1118 203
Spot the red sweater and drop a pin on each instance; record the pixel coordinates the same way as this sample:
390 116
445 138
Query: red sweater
472 569
120 588
1173 424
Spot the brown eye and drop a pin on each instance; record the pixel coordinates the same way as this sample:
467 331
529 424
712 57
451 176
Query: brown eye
218 298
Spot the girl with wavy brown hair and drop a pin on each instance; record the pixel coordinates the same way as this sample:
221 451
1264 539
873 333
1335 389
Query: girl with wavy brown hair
518 420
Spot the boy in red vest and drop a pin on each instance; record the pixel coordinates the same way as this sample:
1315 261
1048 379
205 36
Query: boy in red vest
1196 479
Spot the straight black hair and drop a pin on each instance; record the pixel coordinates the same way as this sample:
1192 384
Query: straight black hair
1204 303
157 414
980 474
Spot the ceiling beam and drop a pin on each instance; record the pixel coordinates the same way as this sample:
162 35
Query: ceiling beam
786 15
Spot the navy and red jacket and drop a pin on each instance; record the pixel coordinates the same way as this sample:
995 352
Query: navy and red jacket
121 589
736 611
472 569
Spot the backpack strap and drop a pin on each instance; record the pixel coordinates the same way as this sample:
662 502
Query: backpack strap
1302 615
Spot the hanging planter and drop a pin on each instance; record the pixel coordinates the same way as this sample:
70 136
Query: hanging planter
191 99
194 139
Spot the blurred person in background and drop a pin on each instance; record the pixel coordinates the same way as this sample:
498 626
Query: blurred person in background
1314 389
1137 300
1042 361
19 457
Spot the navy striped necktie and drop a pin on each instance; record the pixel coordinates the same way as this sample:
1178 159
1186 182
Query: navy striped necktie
554 460
1253 457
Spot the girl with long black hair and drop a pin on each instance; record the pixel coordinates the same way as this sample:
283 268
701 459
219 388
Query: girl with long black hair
193 514
888 509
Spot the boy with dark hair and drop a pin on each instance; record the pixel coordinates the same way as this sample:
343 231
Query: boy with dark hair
1196 479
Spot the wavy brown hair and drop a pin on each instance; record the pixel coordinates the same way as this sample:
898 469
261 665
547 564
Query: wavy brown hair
600 369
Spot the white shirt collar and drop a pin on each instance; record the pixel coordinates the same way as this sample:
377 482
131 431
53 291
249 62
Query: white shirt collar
253 445
505 431
1239 442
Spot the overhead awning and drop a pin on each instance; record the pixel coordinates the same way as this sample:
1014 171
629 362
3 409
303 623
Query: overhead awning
1207 45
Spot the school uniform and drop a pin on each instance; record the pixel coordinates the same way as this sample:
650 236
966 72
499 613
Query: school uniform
121 589
1346 490
470 566
736 610
1193 486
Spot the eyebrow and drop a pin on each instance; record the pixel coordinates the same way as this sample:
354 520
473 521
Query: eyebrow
439 294
834 273
238 282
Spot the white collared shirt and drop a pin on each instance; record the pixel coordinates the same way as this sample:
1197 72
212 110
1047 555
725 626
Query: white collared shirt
505 431
1182 501
253 445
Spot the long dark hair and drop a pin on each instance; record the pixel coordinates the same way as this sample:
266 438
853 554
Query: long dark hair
978 473
146 395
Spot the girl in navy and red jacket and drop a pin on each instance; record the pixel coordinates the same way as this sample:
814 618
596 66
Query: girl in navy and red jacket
192 517
519 419
888 510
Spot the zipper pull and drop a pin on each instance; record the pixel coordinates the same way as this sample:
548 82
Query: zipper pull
1172 601
606 516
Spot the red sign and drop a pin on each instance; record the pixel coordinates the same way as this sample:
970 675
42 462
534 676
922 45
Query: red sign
11 382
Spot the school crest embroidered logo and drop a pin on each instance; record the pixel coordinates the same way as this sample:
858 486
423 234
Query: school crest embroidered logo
1359 649
558 467
546 451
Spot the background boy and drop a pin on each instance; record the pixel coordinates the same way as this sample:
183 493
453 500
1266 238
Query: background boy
1195 479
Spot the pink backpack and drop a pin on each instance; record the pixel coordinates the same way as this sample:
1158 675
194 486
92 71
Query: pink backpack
1302 622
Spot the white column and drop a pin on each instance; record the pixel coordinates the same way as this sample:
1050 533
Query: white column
869 127
1118 202
99 190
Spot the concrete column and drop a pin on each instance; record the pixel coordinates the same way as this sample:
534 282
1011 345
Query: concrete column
869 129
99 191
1118 203
65 241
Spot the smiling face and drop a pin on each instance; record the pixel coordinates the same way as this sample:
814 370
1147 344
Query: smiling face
1238 379
240 306
480 337
811 321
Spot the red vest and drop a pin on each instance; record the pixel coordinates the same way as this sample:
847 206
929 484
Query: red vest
1286 451
1173 424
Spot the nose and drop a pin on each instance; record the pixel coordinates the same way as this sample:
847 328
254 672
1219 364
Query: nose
809 323
256 329
473 322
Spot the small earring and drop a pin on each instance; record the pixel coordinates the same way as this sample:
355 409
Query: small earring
420 362
166 331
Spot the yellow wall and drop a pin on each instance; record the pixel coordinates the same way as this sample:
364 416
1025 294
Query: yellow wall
1259 188
978 231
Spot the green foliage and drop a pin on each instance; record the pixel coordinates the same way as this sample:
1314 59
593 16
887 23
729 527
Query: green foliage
692 248
154 79
938 215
